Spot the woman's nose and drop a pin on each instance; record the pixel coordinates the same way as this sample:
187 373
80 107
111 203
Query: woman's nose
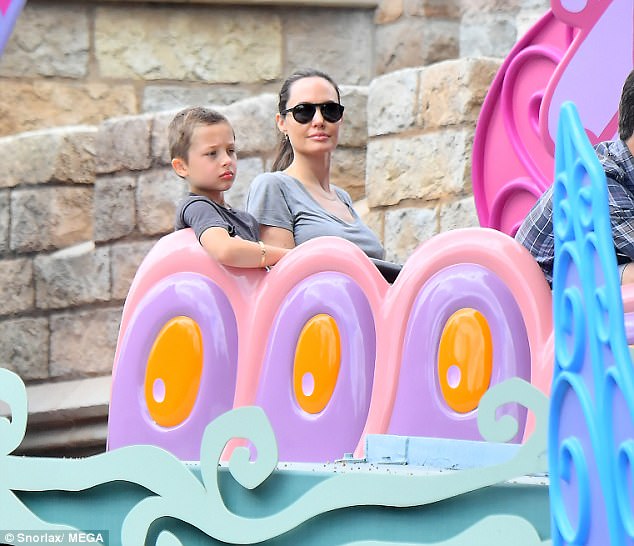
318 118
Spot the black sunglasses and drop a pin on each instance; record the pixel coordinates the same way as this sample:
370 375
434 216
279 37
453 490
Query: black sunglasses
304 112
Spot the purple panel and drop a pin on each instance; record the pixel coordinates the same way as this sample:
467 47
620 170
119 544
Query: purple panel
575 464
336 430
9 12
591 83
419 408
629 327
183 294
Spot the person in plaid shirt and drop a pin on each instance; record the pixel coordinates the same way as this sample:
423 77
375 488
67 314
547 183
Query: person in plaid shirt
536 231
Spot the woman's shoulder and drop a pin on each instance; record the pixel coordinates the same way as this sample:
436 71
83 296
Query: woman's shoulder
274 178
272 183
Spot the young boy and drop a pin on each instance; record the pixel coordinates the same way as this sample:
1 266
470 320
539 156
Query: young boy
203 152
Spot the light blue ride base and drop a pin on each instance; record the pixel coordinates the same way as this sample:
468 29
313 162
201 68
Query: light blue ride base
436 453
144 495
105 507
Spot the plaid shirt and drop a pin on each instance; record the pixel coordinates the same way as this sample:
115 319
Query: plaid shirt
536 231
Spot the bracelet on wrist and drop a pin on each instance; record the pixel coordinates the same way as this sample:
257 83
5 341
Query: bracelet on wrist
262 254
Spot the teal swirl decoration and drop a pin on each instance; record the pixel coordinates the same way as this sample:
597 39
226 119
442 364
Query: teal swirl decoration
590 443
178 494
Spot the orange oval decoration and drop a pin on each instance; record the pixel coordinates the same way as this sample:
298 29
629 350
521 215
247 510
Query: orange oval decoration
173 372
465 359
317 363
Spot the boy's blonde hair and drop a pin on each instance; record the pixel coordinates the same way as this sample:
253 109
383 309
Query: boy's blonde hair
181 128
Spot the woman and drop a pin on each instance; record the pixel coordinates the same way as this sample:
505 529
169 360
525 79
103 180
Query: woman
297 202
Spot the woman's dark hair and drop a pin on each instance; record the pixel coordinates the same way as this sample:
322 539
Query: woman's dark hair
626 108
285 155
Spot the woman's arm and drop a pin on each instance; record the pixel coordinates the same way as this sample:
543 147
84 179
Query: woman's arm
236 252
277 236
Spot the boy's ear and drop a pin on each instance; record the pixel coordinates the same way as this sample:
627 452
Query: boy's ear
179 165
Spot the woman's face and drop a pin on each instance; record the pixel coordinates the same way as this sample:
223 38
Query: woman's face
318 135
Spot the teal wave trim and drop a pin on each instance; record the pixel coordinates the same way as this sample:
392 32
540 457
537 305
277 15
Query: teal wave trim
179 494
490 530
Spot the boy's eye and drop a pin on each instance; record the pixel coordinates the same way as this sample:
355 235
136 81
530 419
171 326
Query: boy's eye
212 153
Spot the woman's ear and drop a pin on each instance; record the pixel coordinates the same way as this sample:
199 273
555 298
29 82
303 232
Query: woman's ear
280 120
179 165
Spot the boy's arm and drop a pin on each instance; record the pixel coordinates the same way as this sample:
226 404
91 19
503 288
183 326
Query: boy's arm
621 205
236 252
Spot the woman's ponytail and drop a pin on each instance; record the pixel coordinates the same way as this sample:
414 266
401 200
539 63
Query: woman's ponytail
284 155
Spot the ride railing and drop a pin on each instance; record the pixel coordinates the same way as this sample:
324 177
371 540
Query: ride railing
325 345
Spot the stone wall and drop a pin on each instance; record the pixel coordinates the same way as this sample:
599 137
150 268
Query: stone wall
83 61
82 202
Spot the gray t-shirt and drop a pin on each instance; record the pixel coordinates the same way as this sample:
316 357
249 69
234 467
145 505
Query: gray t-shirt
201 213
279 200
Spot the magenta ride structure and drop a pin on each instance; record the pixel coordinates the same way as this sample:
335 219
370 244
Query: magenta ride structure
579 51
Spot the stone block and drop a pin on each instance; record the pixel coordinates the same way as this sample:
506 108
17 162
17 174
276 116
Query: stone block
248 169
452 92
373 218
470 7
158 193
487 34
50 217
429 166
83 343
24 347
115 213
526 19
75 160
5 205
388 11
534 5
392 102
406 229
173 97
16 289
354 128
65 154
125 259
124 143
160 144
341 51
414 42
253 121
446 9
348 171
74 276
41 104
459 214
48 41
171 43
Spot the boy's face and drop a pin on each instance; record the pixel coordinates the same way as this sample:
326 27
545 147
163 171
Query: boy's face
210 167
